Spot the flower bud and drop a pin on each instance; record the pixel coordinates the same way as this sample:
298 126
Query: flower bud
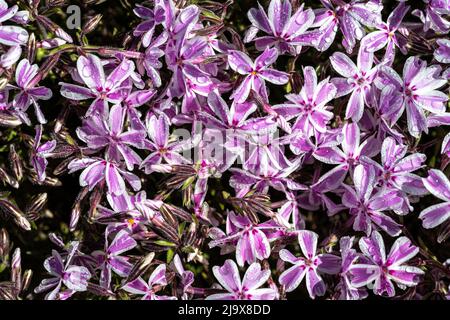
140 267
8 120
13 211
26 279
91 24
37 203
15 163
16 269
5 177
31 48
4 243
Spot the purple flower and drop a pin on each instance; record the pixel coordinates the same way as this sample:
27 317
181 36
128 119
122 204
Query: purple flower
27 77
395 169
386 35
98 170
310 265
348 17
185 60
148 289
99 134
349 256
100 88
309 107
446 145
186 277
256 73
40 152
381 272
357 80
281 27
75 278
252 243
266 156
315 197
151 58
442 53
110 259
10 57
132 100
244 180
248 288
204 169
178 22
159 145
439 185
137 213
147 28
245 156
418 88
11 35
351 154
387 108
301 144
435 16
236 117
367 204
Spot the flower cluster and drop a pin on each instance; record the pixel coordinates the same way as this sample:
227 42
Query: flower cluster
295 145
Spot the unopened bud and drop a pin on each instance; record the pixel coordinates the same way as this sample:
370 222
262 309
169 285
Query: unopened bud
15 163
26 279
13 211
16 269
92 24
31 47
37 203
5 177
140 267
8 120
4 243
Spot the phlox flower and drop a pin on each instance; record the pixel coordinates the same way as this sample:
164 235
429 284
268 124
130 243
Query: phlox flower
148 289
418 89
248 288
382 271
439 186
256 73
101 88
309 266
281 27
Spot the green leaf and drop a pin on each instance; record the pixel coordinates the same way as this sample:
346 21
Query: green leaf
170 255
208 14
165 243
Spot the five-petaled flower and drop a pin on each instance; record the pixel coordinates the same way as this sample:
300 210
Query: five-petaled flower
102 89
98 170
248 288
380 271
309 266
109 259
418 89
148 289
357 80
40 152
75 278
27 77
281 28
256 73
